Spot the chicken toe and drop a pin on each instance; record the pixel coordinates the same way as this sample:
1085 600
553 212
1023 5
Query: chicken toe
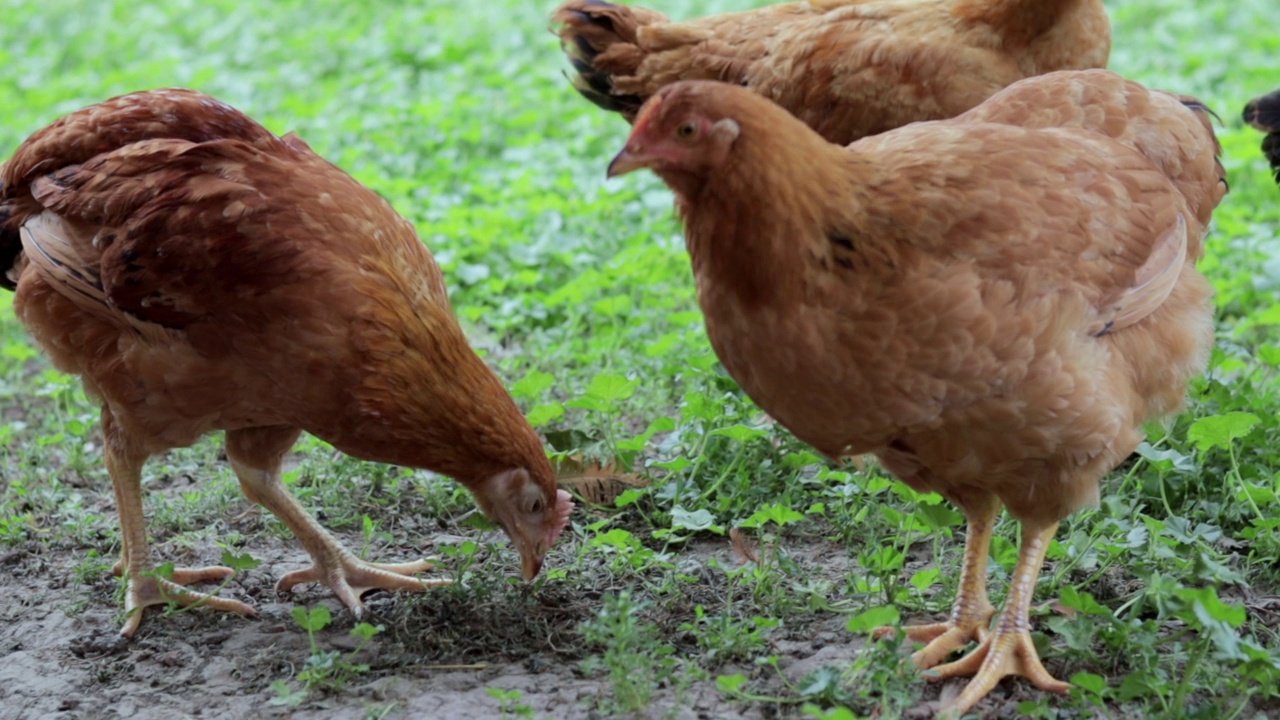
1008 650
1000 656
972 611
146 589
350 577
944 638
255 456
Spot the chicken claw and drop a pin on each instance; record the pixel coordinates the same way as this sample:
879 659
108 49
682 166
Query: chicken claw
1008 650
255 456
943 638
1005 653
972 612
350 577
146 590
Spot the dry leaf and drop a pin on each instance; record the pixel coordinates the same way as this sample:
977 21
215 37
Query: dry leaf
594 482
743 549
1055 606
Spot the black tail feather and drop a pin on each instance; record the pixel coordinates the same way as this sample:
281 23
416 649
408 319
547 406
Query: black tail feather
1201 107
10 246
588 28
1271 148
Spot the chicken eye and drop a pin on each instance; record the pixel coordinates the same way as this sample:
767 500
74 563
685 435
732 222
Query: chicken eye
535 506
686 131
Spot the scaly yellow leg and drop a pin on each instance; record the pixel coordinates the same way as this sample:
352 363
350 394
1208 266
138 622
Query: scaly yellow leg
256 456
1009 650
142 589
972 611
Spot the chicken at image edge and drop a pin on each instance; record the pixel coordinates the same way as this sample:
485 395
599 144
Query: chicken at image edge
200 274
993 305
847 68
1263 113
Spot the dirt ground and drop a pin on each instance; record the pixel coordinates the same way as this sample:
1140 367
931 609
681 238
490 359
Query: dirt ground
62 657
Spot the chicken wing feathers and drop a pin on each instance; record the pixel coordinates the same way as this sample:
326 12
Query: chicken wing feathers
1154 281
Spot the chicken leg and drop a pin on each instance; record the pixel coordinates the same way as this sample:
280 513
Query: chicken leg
972 611
143 588
1009 650
256 456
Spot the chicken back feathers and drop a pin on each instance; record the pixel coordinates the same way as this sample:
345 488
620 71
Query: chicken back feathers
201 273
995 302
847 68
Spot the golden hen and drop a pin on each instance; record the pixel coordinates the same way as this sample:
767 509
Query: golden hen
993 305
1263 113
200 274
847 68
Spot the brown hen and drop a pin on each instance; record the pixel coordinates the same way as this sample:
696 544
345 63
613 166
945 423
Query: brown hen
847 68
993 305
200 274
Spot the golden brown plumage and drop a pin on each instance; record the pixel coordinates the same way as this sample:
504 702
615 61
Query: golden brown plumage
847 68
993 304
1263 113
201 274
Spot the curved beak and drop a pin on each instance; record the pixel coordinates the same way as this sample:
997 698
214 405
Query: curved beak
628 160
530 566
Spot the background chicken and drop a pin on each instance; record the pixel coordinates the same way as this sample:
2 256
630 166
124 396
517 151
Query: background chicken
1263 113
847 68
201 274
994 304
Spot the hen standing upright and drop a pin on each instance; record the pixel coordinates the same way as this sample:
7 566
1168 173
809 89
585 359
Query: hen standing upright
847 68
993 305
199 274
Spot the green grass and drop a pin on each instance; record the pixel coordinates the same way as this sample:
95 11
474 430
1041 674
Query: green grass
579 293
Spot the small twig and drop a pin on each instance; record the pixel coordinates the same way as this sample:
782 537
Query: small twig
468 666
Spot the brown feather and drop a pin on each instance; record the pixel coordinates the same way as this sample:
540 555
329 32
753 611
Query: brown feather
848 68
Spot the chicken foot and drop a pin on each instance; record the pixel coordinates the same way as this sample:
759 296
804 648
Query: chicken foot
256 456
972 611
143 588
1008 650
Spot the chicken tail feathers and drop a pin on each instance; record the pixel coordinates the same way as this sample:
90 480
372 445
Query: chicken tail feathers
1204 112
47 243
1263 113
601 41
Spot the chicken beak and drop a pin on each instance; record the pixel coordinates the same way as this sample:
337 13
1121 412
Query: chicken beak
530 566
626 161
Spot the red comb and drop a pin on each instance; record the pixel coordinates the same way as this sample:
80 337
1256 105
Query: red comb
646 114
564 507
